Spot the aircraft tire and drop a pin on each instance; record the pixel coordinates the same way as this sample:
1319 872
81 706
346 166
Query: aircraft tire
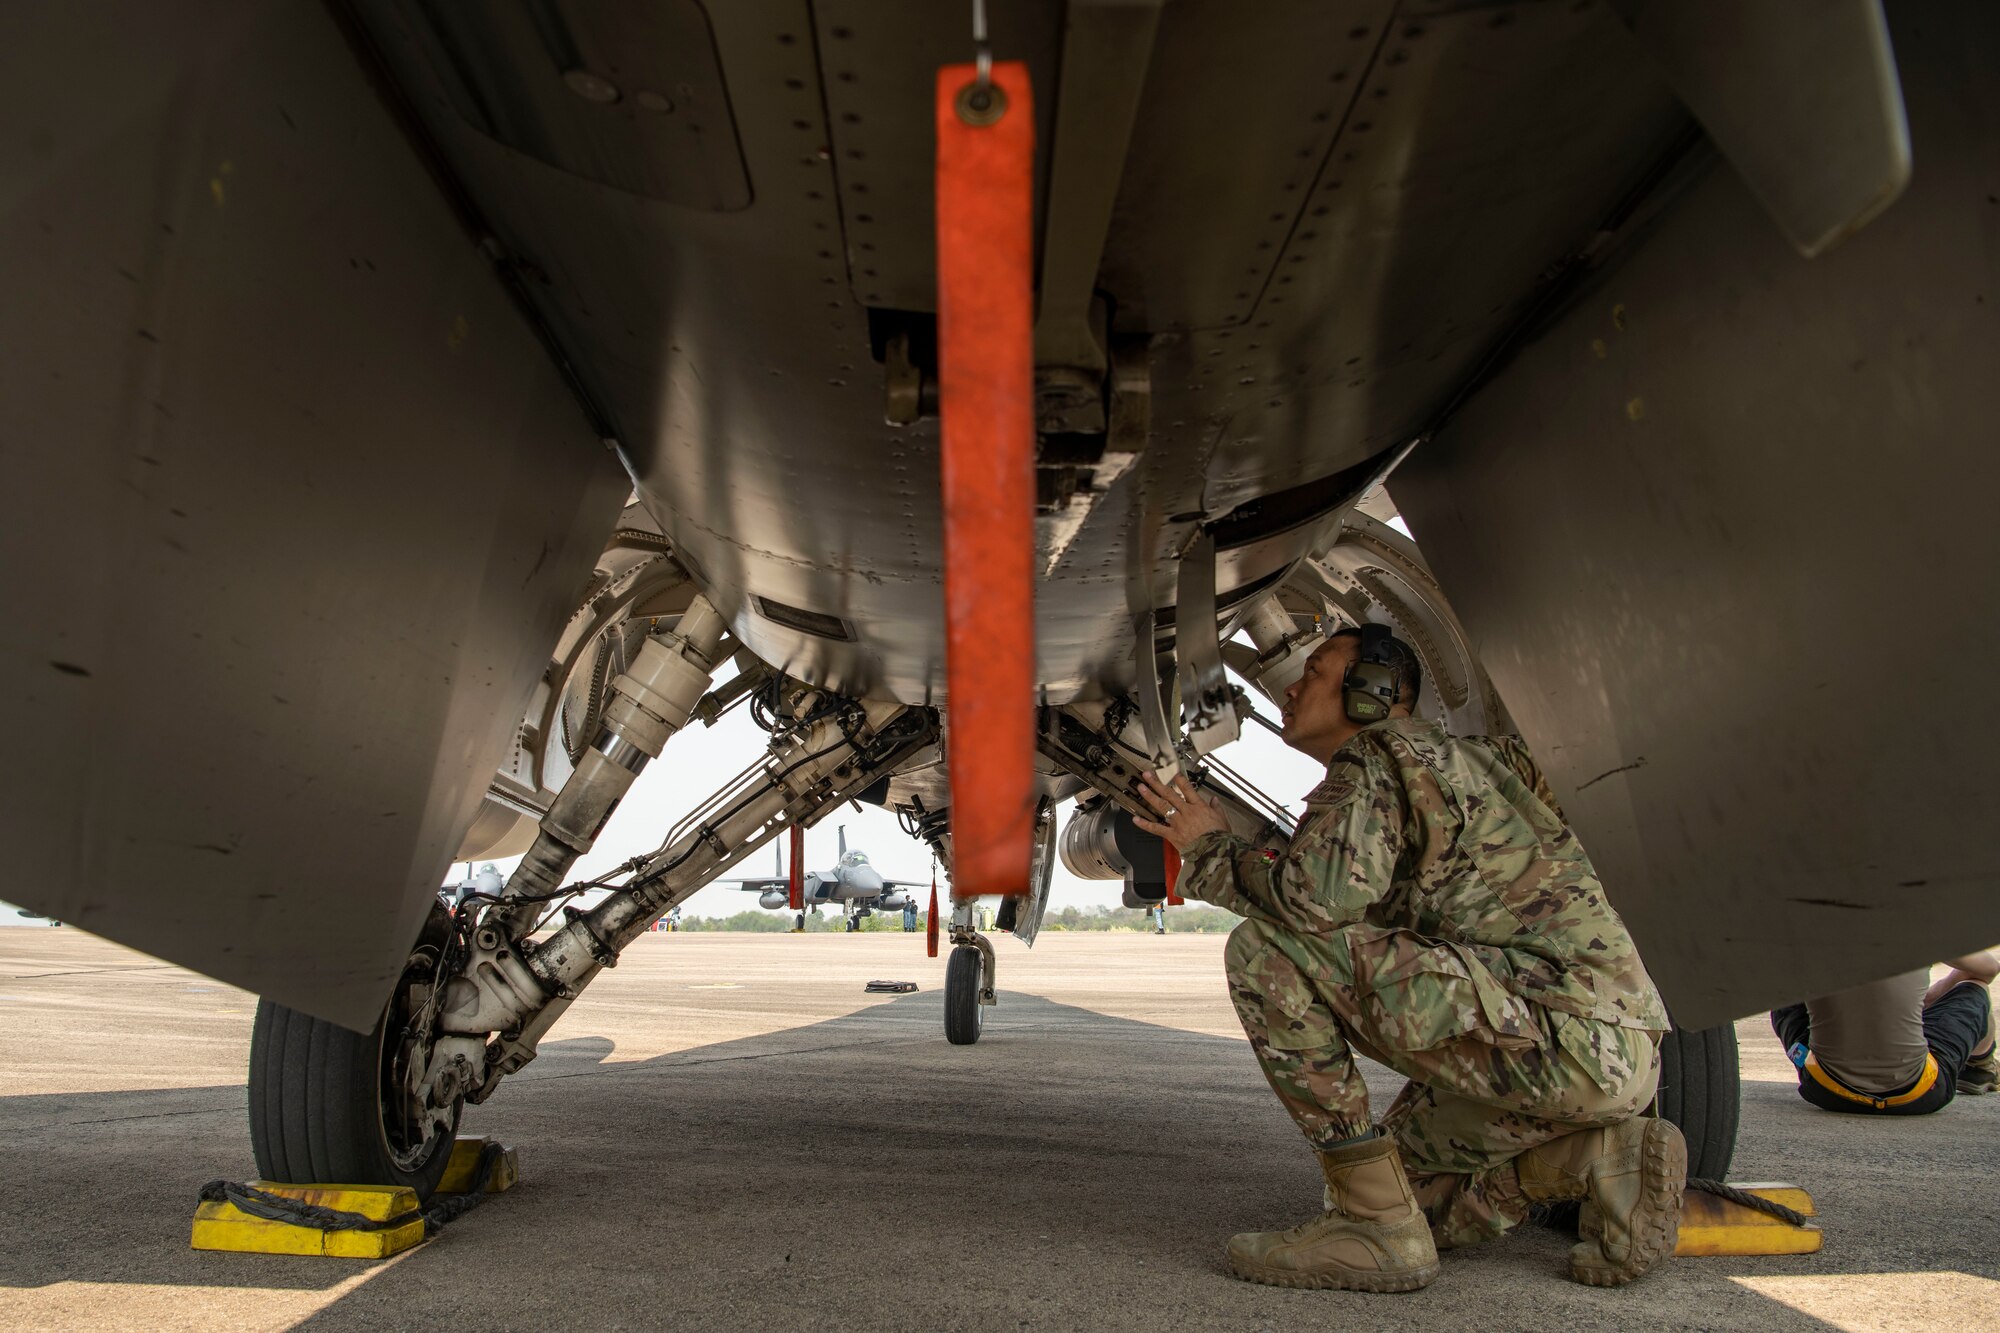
1701 1091
315 1094
962 1014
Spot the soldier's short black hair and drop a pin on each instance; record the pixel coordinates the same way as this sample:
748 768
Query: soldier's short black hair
1403 660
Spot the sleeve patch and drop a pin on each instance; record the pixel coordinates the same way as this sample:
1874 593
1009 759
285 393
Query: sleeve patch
1332 791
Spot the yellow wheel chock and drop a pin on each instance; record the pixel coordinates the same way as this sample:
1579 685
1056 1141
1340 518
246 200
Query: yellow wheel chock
1711 1224
465 1164
221 1225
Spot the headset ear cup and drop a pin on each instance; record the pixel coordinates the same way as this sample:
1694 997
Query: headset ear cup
1372 685
1369 692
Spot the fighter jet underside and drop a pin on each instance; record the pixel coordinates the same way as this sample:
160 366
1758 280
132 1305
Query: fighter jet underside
418 413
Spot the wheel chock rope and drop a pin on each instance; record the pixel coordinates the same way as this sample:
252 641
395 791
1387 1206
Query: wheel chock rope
1724 1219
1744 1198
217 1231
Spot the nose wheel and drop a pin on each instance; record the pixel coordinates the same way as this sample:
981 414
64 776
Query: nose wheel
968 988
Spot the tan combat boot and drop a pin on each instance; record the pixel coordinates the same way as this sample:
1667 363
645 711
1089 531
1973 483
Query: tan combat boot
1630 1176
1372 1238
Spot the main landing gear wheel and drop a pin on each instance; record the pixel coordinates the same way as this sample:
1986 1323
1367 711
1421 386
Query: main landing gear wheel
1701 1091
962 1011
327 1105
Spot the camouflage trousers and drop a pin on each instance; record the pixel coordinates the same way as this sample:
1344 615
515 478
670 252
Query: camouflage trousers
1491 1075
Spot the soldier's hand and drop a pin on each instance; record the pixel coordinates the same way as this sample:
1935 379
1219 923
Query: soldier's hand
1185 814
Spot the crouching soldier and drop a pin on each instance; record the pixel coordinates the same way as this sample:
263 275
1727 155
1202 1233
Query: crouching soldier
1435 913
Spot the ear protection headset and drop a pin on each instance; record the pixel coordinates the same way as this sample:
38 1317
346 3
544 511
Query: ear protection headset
1372 684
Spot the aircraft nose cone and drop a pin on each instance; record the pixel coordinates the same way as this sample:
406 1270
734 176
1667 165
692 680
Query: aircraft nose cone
867 880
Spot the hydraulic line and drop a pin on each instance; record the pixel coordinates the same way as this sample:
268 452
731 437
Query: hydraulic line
824 766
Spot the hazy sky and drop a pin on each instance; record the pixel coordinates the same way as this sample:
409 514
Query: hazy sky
697 761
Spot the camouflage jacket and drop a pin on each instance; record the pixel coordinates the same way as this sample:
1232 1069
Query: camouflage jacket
1458 840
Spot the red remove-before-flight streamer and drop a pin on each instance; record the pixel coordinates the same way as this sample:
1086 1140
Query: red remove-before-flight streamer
985 254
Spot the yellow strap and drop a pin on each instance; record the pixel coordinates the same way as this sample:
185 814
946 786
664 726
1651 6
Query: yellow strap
1925 1081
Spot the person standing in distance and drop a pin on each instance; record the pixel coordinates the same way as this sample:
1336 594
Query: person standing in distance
1435 913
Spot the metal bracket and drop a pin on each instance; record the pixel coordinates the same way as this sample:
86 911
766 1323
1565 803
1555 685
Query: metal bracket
903 399
988 962
1208 709
1160 736
1080 749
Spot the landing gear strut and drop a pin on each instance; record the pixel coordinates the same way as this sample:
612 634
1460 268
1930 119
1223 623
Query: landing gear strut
480 990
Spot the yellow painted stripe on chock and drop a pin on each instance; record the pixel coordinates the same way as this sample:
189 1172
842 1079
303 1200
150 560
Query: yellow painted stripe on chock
1712 1225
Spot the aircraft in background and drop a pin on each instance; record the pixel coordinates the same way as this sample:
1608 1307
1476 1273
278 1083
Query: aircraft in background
488 880
853 884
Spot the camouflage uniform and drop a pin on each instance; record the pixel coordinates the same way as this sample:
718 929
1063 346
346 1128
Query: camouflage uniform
1435 913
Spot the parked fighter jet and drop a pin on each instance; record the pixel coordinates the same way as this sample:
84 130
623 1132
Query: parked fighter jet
487 880
971 397
854 885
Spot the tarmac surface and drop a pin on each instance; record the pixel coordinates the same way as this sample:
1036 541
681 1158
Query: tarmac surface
727 1133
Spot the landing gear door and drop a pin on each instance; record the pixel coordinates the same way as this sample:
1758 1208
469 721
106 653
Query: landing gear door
1022 915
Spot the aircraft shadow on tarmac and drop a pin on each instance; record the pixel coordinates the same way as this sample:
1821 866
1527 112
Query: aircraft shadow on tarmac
863 1163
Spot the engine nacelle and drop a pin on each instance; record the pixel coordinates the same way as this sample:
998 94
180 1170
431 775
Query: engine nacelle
773 899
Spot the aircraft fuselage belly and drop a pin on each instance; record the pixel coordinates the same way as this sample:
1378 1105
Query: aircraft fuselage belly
1727 547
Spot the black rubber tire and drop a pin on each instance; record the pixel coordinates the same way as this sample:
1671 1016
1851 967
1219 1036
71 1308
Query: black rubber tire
315 1104
1701 1092
963 1014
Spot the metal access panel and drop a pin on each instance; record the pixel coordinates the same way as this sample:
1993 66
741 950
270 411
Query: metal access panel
294 500
1724 534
